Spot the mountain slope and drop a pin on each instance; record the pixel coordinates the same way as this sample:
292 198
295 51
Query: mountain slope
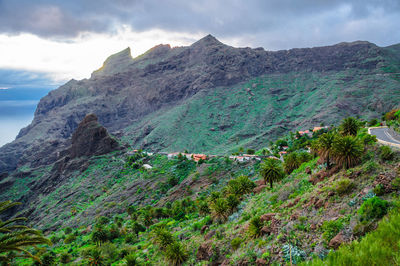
210 97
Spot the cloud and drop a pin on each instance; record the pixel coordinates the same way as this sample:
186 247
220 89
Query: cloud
70 39
272 21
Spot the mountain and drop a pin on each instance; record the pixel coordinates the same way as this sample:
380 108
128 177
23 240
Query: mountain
211 97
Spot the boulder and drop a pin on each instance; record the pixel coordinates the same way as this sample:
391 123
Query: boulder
206 251
267 217
259 189
337 241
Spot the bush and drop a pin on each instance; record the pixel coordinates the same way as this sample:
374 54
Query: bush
240 186
48 259
379 190
369 139
255 227
162 238
67 230
331 229
385 153
69 239
344 186
380 247
131 260
65 258
131 239
373 208
235 243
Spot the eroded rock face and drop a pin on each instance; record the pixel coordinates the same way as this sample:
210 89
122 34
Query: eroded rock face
90 138
125 90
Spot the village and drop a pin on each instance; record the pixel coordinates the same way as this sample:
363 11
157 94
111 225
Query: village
240 157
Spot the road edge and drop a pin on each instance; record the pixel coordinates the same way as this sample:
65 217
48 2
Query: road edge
382 141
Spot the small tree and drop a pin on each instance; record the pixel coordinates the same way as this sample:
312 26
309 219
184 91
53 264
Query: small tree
176 254
271 170
349 126
347 151
324 147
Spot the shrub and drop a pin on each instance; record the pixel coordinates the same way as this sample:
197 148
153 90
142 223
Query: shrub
255 227
369 139
331 229
396 183
344 186
385 153
67 230
373 208
380 247
176 254
69 239
131 239
131 260
65 258
162 237
137 227
250 151
379 190
240 186
235 243
48 259
173 181
102 220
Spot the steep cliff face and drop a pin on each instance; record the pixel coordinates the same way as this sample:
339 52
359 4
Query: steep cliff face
125 93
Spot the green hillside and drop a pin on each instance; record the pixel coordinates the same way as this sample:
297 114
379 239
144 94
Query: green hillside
258 111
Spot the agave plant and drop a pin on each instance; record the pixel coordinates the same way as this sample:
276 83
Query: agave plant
15 238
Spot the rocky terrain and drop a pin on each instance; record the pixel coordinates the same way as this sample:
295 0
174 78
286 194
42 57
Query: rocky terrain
133 98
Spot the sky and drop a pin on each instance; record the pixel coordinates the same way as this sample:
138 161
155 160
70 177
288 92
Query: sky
44 43
70 39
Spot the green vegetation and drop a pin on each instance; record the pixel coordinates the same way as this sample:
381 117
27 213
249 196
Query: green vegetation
181 212
271 170
15 238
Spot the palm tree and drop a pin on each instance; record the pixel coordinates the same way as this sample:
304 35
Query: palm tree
271 170
15 238
176 254
349 126
292 162
324 147
347 150
220 209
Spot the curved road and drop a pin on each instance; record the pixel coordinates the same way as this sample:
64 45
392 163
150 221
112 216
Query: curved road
383 134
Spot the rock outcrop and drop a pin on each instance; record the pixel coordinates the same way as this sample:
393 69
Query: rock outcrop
90 139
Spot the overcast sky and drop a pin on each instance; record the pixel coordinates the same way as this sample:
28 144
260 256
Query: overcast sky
71 38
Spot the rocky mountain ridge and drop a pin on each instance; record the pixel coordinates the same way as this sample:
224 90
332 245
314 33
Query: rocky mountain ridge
126 91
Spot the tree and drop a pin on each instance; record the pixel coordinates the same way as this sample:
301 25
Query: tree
324 147
176 254
349 126
347 150
162 237
271 170
96 258
292 162
219 209
15 238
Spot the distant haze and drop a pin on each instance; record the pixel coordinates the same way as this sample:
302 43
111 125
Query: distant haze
17 106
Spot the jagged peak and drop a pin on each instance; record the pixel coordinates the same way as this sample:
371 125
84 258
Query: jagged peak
115 63
207 40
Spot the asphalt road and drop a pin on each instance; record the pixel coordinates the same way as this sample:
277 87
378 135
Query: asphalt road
383 134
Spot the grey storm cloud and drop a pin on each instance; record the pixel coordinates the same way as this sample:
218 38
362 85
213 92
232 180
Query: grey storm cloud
268 23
